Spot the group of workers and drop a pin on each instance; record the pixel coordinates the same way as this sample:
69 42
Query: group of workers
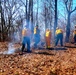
58 36
26 37
26 32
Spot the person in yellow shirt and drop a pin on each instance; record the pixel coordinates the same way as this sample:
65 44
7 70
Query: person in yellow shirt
36 36
48 38
59 36
74 35
26 39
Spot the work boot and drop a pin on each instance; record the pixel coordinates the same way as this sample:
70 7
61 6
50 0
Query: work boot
29 51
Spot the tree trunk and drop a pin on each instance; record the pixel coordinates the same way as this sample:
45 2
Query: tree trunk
32 27
26 9
68 28
45 17
68 4
37 12
2 32
55 23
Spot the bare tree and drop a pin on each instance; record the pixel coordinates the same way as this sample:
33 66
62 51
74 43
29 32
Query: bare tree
37 12
25 5
30 15
56 18
2 21
10 13
70 10
47 13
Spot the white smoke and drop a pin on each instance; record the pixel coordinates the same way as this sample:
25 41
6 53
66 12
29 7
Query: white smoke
11 49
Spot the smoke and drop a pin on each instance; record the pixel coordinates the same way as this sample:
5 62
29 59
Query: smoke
16 37
11 49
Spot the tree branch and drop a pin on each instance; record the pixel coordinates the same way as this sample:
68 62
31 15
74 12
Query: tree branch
73 10
66 5
66 1
23 3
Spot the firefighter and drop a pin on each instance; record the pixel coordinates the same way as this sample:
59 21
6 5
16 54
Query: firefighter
59 36
48 38
26 39
36 36
74 35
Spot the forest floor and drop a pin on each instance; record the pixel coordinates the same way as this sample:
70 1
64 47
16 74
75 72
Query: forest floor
56 61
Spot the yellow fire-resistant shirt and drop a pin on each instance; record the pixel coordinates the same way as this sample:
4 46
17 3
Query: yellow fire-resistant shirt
24 32
58 31
35 30
74 32
47 33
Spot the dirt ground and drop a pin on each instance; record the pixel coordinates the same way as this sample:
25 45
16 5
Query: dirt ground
56 61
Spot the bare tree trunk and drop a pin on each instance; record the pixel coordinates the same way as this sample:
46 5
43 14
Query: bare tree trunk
45 17
68 28
55 23
26 9
68 4
32 27
2 23
28 14
37 12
